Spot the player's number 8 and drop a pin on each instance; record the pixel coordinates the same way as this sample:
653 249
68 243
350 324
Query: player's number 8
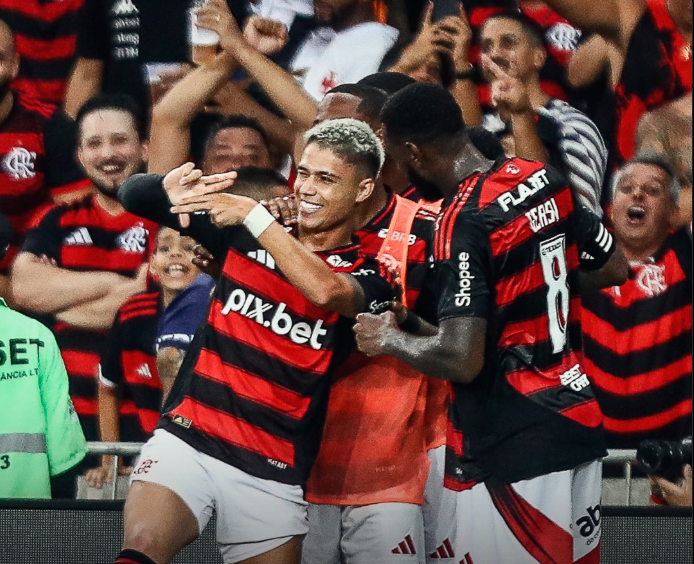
553 258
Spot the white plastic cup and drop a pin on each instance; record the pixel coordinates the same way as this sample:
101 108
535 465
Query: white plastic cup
203 42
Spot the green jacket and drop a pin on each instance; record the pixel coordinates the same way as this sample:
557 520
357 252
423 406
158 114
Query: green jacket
40 435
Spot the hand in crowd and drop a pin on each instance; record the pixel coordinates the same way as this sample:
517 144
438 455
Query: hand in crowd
373 332
266 35
509 94
216 16
284 209
206 262
186 180
458 36
676 494
97 477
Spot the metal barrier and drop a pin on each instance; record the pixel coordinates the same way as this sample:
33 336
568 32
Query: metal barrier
627 458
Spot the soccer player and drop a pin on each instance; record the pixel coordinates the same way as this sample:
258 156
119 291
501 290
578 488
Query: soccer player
512 251
242 424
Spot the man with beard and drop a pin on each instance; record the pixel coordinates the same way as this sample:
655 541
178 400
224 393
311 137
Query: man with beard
81 262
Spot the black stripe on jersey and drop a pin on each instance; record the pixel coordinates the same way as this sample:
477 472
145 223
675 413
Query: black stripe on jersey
263 365
83 387
561 397
218 396
21 202
527 356
81 341
640 362
24 24
532 305
676 297
647 403
144 397
51 69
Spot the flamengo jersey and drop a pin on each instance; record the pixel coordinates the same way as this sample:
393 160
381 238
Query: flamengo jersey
657 69
46 36
253 388
508 249
638 348
84 237
374 444
129 362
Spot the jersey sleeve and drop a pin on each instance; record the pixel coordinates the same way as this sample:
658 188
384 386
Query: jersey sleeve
595 243
65 443
44 238
378 290
464 276
182 318
110 366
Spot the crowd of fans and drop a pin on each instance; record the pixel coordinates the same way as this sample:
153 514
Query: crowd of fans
94 91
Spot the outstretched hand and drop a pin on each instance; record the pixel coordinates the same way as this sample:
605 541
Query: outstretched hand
223 210
186 181
374 331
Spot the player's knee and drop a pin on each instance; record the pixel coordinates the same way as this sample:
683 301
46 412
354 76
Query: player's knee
145 537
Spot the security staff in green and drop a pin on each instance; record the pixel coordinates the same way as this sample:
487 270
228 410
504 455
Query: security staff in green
40 436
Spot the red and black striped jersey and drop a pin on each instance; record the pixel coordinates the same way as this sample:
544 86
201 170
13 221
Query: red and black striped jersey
84 237
46 37
638 348
129 362
657 69
508 249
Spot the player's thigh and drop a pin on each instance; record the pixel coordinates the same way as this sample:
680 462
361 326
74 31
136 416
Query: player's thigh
322 543
383 533
287 553
525 523
255 516
170 499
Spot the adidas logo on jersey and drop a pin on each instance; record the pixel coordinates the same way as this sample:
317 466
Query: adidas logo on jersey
144 371
124 8
263 257
79 237
405 546
443 551
279 322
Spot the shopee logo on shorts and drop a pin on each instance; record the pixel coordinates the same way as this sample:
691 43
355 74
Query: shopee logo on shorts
278 321
463 296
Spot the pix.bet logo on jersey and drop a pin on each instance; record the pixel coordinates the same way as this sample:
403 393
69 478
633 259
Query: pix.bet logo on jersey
275 318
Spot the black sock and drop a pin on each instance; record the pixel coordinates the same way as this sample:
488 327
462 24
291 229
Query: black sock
130 556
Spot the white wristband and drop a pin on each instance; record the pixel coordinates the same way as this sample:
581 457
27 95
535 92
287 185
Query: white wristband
258 220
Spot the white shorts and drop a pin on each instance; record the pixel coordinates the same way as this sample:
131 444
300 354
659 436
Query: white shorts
433 498
254 515
549 519
382 533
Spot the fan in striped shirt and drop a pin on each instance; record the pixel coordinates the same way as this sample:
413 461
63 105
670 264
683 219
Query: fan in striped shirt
540 127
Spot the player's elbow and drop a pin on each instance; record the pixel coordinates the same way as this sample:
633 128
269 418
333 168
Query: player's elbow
24 291
467 370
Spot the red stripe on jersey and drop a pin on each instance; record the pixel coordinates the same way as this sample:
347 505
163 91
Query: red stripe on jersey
587 414
639 383
530 381
126 316
91 257
127 407
248 332
639 337
526 332
518 231
454 439
255 277
235 431
86 406
512 287
41 49
506 180
80 363
650 422
479 14
43 12
541 537
250 386
72 187
50 90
